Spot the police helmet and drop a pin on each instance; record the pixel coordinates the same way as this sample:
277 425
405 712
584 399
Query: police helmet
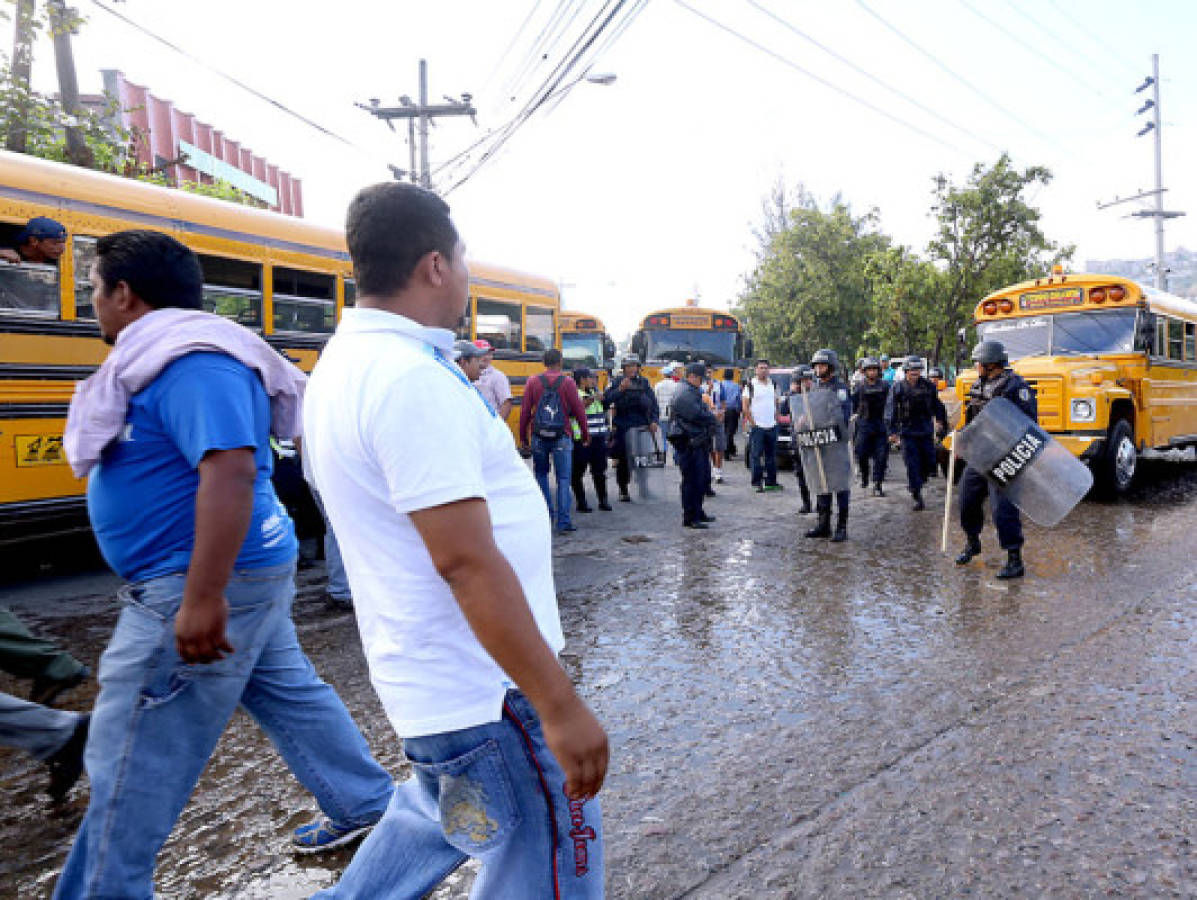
989 353
913 364
869 362
631 359
828 357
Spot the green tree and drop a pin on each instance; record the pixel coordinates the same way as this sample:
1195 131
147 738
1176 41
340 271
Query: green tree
988 236
809 288
906 292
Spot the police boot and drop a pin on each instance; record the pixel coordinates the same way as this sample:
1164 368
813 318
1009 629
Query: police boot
971 549
1013 567
822 527
841 527
805 508
918 500
601 490
877 491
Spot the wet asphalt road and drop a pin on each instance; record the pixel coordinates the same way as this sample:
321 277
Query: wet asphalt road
788 718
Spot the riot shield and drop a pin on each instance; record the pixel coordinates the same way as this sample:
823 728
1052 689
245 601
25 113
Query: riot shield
821 436
646 461
1031 468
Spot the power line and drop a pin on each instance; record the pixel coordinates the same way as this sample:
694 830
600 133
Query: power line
241 84
823 81
543 44
1035 22
869 75
1114 53
510 46
1021 42
955 75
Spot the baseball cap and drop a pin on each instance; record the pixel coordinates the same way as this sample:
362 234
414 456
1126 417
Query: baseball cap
698 369
41 227
482 345
467 350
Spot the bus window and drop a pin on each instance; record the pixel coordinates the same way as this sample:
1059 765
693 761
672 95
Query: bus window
538 329
350 292
84 252
304 301
465 326
1190 342
499 323
233 289
1176 339
30 289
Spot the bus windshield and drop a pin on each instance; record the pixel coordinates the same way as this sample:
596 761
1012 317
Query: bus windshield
1062 334
682 345
582 350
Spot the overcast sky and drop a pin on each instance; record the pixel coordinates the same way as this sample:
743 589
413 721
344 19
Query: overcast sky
640 194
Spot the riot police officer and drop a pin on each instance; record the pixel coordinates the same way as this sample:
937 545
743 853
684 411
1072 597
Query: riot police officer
829 466
911 412
633 405
868 402
996 379
801 380
690 425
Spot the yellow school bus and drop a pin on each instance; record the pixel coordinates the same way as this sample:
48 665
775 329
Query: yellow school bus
1114 364
585 343
687 334
282 277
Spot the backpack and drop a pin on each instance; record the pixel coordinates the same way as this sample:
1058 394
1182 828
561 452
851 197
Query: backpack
548 419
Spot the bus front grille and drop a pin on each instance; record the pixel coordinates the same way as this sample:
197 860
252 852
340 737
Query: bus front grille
1050 394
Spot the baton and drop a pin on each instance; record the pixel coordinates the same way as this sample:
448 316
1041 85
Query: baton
947 500
818 454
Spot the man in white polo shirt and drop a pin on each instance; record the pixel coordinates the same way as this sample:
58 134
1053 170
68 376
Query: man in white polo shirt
760 417
447 544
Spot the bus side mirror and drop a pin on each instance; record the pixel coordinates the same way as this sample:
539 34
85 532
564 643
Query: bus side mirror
749 347
608 348
637 346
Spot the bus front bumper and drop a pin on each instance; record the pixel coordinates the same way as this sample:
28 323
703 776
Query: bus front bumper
1082 446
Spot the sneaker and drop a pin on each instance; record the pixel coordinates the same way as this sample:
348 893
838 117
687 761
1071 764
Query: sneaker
66 765
625 497
325 834
718 476
774 487
46 690
566 529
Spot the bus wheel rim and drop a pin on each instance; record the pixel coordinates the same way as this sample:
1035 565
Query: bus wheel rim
1124 461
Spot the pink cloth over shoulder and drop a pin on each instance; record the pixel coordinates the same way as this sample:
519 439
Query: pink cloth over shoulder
146 347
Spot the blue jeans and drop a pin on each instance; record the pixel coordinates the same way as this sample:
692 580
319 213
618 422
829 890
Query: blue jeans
38 730
156 722
561 453
492 792
338 581
762 450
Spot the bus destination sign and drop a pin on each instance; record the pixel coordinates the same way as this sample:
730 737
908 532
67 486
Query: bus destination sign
683 320
1053 298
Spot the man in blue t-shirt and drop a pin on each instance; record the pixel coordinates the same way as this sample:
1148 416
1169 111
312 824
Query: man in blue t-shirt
182 506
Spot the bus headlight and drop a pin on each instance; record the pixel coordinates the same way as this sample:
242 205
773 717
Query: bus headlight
1084 410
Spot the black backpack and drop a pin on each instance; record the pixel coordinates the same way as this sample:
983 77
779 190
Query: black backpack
548 419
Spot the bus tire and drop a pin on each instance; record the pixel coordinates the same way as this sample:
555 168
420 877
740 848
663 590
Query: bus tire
1114 469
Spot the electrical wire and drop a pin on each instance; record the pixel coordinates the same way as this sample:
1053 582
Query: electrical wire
510 46
1114 53
544 44
869 75
823 81
1043 29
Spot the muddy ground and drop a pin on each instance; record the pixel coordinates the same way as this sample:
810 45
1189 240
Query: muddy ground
788 718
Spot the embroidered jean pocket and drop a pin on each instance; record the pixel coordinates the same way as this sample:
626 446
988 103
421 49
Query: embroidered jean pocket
477 805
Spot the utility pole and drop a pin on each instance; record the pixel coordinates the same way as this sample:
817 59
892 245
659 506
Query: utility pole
68 87
22 61
419 116
1158 213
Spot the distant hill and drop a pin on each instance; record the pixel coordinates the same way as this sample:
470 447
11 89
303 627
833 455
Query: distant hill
1182 277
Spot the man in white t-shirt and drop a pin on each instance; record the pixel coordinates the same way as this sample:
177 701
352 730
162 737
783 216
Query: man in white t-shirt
446 541
760 419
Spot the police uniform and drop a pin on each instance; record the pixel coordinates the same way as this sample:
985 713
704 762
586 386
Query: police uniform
635 407
795 405
690 427
868 403
823 501
594 455
975 487
911 413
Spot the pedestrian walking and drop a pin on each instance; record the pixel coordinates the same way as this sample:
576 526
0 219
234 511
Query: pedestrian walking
26 655
714 393
448 547
911 412
591 456
824 440
690 433
173 431
759 408
995 379
52 736
493 383
872 440
801 380
550 409
731 410
633 404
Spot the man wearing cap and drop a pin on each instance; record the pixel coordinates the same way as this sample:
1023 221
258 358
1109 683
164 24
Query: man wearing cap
492 382
42 240
690 433
911 412
666 389
470 359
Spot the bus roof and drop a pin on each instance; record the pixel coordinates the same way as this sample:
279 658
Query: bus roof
39 181
568 318
1154 299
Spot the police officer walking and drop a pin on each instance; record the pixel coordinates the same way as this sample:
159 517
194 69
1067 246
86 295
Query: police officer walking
829 466
868 403
634 405
801 380
911 412
996 379
690 433
592 456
